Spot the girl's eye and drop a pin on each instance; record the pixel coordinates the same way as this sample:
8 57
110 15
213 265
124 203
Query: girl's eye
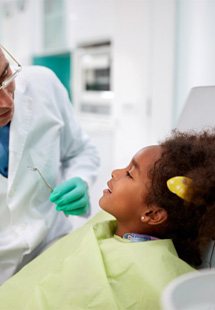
128 174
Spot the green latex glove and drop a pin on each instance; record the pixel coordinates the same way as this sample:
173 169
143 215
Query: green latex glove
71 197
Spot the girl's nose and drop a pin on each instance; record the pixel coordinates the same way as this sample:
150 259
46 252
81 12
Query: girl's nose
116 173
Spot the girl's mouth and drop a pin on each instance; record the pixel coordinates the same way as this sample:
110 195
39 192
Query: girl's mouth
107 190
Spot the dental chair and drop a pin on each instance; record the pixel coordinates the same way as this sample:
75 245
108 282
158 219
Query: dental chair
192 291
199 114
196 290
199 109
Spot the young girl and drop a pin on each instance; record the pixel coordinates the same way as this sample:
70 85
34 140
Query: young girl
163 199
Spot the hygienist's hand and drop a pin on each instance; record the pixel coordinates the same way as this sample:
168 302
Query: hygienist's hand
71 197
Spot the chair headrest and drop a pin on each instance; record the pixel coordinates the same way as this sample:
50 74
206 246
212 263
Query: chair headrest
199 109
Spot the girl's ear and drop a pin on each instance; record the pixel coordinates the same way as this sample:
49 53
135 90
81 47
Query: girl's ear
154 216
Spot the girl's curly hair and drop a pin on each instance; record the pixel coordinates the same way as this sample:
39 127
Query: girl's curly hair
189 225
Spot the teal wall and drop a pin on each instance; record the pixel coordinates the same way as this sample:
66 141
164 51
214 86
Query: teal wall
60 64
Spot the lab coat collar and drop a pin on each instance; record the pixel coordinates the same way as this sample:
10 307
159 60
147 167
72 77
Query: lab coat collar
21 83
19 129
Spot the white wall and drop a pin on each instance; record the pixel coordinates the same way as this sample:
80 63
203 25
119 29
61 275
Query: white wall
131 56
195 63
142 33
144 70
89 20
162 68
21 28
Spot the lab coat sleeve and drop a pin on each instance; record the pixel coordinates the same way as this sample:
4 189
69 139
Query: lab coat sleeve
79 156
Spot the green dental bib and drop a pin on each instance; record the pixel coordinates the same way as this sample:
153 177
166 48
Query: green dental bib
93 269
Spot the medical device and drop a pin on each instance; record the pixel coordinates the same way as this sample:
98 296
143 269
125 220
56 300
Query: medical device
42 177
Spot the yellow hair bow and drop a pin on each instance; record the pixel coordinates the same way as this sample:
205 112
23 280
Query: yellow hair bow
181 186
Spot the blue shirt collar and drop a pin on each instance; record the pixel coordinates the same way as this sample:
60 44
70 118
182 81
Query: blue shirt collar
138 237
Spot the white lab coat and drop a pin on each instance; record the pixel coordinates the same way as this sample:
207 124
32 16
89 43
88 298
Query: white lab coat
43 134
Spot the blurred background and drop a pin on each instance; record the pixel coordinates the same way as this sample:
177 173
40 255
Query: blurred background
128 65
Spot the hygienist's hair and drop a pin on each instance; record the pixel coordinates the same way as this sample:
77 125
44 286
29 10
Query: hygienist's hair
190 224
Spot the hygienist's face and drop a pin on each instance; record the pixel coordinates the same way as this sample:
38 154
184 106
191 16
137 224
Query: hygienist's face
7 94
124 197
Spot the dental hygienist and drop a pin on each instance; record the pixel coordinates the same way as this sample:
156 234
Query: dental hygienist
42 147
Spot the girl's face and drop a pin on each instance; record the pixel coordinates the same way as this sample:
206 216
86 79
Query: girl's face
124 197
